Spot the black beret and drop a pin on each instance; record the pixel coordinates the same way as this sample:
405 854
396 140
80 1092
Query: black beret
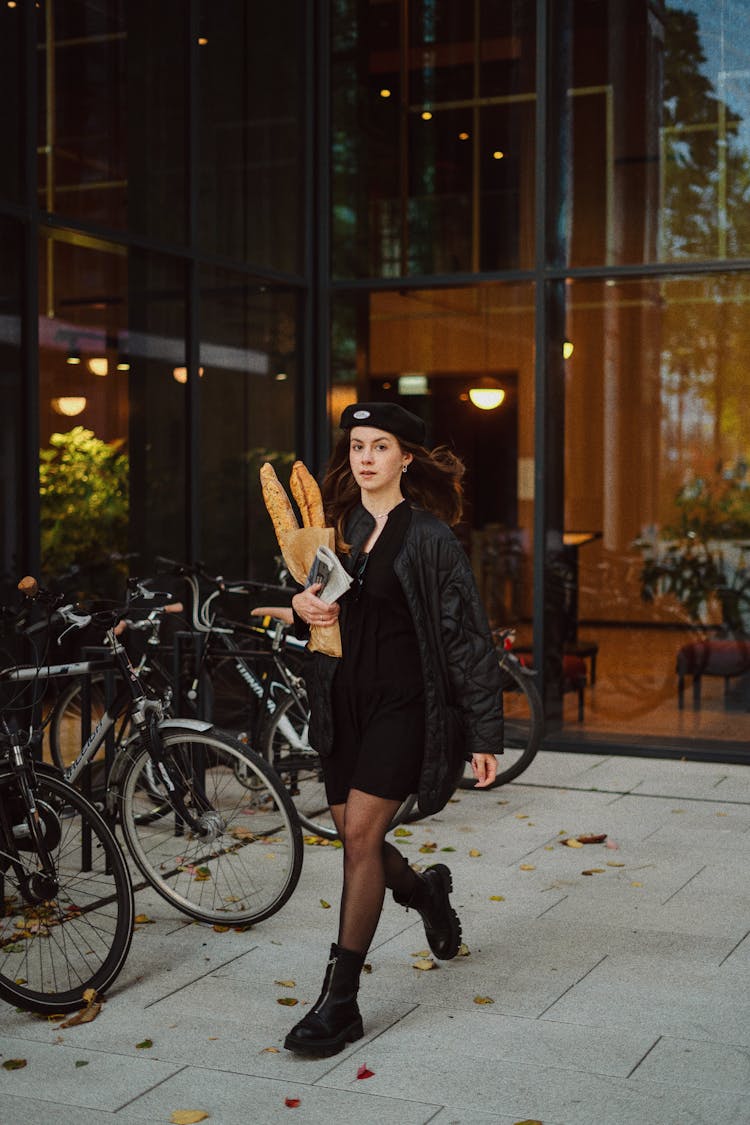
388 416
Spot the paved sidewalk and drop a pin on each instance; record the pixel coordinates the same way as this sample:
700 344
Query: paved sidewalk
620 997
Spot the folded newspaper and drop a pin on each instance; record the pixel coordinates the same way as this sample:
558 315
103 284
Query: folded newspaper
327 569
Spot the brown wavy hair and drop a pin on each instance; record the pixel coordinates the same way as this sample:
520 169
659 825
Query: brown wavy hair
432 482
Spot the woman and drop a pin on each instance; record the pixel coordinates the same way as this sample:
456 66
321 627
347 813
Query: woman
416 691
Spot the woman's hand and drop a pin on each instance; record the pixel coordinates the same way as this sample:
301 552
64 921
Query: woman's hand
484 767
312 610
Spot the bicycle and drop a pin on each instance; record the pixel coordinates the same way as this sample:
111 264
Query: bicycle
67 900
183 792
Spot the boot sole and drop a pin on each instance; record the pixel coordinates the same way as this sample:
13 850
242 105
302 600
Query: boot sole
330 1046
455 928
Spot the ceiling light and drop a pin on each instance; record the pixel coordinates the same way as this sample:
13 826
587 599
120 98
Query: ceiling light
69 405
180 374
498 154
463 136
427 116
202 41
73 357
281 376
487 394
123 363
568 349
98 365
385 92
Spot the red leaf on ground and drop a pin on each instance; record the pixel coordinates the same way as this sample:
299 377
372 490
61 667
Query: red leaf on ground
291 1103
363 1072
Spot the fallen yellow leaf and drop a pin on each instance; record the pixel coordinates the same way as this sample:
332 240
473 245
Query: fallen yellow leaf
497 898
463 950
286 983
402 832
549 847
636 884
522 816
325 905
221 929
474 853
483 1000
614 863
422 953
571 843
188 1116
143 920
270 1051
287 1001
527 867
424 963
87 1014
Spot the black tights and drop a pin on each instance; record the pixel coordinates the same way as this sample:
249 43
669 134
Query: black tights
370 865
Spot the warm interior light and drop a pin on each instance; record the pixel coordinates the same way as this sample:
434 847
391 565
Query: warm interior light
427 116
463 136
202 41
498 154
123 363
73 357
280 376
98 365
568 349
180 374
385 92
487 395
69 405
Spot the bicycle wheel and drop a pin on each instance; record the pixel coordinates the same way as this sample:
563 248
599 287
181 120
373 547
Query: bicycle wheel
286 747
244 861
59 939
523 727
65 721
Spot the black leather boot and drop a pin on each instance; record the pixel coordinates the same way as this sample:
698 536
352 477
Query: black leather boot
430 898
334 1019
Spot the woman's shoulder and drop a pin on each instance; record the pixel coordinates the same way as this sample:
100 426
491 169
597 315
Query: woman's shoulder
429 526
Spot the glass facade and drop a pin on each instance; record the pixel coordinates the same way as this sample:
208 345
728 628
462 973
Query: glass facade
222 223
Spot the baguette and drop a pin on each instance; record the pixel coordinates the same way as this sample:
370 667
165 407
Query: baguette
277 502
306 492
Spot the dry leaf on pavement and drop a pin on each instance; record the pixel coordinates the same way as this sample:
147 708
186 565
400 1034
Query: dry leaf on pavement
188 1116
14 1064
364 1072
483 1000
288 1001
424 963
474 853
291 1103
87 1014
527 867
325 905
286 983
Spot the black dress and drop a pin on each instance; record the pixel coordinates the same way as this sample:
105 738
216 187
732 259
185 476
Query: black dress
378 691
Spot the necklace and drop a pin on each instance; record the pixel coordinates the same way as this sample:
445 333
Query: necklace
382 515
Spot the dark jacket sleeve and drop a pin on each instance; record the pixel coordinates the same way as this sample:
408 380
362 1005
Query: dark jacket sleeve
473 670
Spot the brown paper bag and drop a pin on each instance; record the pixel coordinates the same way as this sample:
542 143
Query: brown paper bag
298 548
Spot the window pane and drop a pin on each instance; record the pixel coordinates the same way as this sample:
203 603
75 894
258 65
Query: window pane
112 115
111 346
12 514
427 349
433 138
657 440
11 98
659 131
247 390
251 84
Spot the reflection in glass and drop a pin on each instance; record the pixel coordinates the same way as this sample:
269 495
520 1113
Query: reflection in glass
433 125
657 441
249 355
659 131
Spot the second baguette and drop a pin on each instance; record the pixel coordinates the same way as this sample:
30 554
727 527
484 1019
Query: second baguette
306 492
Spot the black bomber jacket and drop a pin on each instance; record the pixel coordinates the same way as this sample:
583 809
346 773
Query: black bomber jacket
462 678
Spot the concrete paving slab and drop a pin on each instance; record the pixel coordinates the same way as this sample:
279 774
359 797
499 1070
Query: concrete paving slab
445 1032
239 1098
541 1093
51 1075
14 1110
711 1004
688 1062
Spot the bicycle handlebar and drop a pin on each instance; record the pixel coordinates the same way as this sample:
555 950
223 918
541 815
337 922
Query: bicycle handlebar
198 570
